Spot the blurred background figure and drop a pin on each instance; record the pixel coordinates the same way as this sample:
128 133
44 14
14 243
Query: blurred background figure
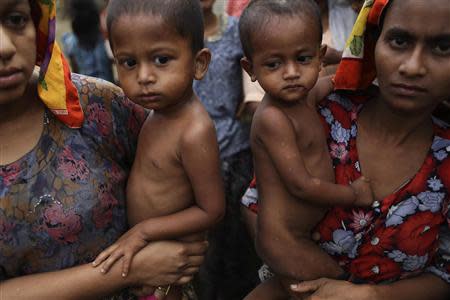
235 7
338 17
85 46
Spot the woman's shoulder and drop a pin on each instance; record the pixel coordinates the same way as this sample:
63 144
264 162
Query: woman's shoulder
105 103
90 86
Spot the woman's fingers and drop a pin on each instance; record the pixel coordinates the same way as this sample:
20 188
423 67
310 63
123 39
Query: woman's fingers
195 248
308 286
184 280
143 291
194 261
190 271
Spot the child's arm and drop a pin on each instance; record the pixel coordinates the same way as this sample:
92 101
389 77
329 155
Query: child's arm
199 156
277 134
323 88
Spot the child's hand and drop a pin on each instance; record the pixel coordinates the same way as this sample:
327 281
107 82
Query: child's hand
363 191
127 246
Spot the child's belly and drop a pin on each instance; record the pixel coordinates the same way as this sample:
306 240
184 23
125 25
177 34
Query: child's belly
157 196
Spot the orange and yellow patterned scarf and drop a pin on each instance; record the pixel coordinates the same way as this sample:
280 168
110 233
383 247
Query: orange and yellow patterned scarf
357 68
55 87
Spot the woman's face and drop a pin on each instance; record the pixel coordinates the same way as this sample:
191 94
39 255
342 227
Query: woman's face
412 55
17 49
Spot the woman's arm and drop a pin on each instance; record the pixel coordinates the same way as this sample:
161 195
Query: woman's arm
423 287
159 263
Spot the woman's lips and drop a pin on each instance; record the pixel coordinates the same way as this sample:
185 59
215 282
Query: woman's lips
10 78
407 89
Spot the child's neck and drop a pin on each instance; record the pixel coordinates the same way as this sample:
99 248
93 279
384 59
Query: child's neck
211 22
177 108
286 105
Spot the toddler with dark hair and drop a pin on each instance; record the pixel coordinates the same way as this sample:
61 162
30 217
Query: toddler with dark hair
282 43
175 188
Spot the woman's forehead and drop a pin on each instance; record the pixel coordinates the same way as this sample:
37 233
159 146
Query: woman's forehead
429 17
5 4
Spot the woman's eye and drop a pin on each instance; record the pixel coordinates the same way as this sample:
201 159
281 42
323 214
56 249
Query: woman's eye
399 43
304 59
16 20
161 60
442 48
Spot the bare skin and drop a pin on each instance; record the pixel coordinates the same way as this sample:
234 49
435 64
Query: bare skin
395 134
175 187
292 164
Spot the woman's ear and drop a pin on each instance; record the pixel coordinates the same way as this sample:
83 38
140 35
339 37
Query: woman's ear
247 65
202 60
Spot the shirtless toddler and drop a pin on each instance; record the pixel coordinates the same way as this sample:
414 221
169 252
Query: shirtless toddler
175 189
295 179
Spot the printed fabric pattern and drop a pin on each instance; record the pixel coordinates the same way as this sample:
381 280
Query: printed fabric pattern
399 236
64 202
403 235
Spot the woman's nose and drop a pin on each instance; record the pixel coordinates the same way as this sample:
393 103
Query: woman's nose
7 47
414 64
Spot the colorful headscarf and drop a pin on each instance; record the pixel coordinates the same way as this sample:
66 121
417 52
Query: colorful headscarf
357 68
55 87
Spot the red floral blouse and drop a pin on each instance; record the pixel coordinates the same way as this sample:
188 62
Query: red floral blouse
407 232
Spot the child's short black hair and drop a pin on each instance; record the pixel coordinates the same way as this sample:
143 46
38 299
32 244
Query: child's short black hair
184 15
259 12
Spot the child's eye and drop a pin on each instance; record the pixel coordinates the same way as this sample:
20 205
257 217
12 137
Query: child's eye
442 48
304 59
272 65
128 63
16 20
161 60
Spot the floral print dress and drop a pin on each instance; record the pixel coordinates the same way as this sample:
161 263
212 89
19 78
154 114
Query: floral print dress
64 201
404 234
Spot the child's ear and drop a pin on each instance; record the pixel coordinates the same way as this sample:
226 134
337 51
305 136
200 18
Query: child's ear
247 65
322 52
202 60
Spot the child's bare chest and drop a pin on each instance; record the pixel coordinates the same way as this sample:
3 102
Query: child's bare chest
159 148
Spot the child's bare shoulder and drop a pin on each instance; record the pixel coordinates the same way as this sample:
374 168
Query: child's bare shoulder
199 128
270 119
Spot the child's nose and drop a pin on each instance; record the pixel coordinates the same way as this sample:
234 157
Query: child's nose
146 75
291 71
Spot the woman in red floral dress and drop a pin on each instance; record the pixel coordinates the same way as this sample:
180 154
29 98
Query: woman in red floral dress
399 248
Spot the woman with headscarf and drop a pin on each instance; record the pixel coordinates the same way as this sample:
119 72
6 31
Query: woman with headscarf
399 248
66 146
